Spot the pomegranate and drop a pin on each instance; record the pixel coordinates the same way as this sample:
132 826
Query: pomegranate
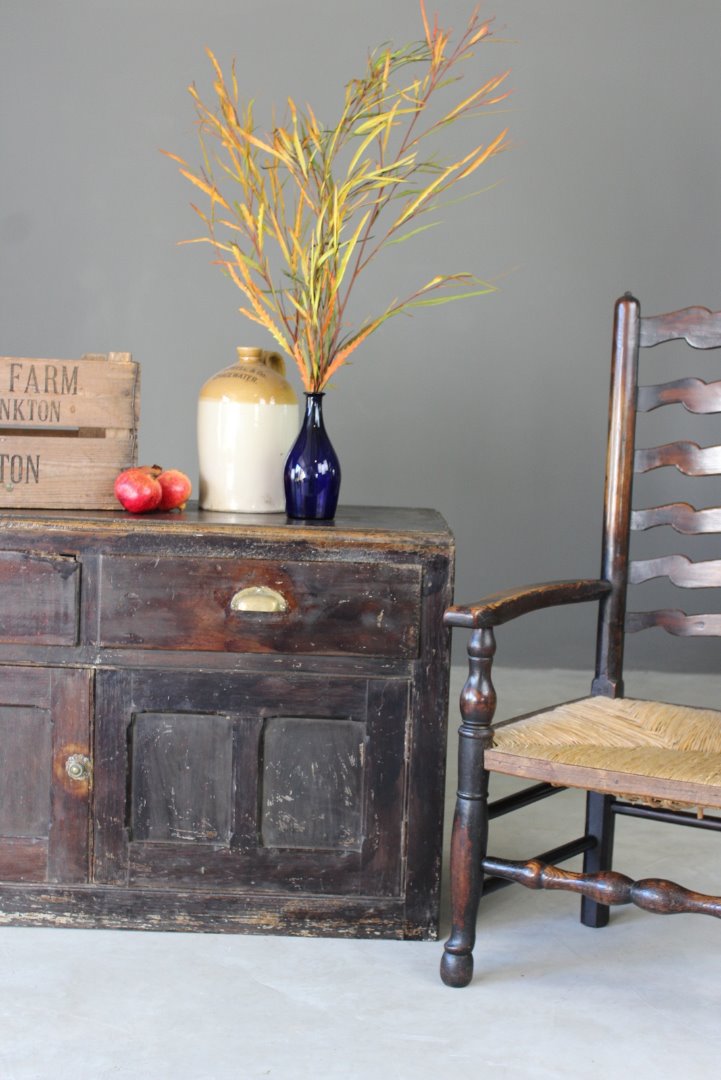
151 487
176 487
138 490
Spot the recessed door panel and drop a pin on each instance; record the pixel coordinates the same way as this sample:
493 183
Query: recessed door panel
181 777
312 783
45 774
244 780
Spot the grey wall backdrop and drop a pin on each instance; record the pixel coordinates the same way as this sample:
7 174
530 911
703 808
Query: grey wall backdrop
492 411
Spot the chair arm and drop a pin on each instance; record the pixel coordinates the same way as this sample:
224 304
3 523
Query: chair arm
502 606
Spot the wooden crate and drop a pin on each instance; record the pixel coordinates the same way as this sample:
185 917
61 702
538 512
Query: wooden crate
67 428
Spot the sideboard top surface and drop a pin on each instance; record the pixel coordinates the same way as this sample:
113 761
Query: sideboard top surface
362 525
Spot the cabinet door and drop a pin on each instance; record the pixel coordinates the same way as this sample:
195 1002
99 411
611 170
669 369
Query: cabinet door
44 774
284 782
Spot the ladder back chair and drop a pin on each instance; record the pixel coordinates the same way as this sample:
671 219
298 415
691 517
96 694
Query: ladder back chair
643 758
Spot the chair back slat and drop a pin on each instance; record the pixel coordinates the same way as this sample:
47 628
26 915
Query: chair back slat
674 622
698 326
695 395
679 569
688 457
681 517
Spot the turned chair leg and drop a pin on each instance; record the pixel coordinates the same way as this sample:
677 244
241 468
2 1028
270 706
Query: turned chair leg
468 850
600 822
470 822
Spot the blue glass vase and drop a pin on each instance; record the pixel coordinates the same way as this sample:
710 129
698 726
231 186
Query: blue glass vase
312 471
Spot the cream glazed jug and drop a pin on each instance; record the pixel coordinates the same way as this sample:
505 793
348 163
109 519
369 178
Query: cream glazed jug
247 422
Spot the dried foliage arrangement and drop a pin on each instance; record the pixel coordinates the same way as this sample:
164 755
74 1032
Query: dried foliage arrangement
308 207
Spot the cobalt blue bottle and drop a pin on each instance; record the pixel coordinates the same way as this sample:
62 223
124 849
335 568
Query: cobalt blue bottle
312 471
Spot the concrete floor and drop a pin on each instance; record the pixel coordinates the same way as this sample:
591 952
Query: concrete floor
550 998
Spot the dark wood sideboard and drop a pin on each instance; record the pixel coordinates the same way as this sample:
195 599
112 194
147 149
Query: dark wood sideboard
173 759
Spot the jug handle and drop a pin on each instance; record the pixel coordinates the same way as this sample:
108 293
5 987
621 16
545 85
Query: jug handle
275 361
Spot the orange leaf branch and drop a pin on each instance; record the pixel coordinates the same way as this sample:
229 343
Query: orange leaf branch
313 204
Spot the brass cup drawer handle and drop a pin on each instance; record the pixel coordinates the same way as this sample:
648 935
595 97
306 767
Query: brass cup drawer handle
78 767
259 598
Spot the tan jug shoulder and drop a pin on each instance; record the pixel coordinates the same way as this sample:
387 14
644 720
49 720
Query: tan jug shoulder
257 377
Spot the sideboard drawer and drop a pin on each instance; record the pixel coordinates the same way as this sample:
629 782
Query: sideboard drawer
324 607
39 598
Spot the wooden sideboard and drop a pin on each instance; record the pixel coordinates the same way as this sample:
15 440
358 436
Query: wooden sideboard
223 722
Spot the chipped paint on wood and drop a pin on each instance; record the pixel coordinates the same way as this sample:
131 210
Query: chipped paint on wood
295 789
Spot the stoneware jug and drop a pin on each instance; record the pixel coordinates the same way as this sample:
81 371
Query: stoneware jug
247 423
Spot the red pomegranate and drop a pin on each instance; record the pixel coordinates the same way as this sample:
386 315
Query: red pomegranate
176 487
150 487
138 491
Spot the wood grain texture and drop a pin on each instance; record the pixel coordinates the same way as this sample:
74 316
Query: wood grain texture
695 395
25 765
679 569
181 777
617 499
298 808
23 859
688 457
469 835
208 910
29 686
425 743
44 815
111 771
288 825
89 406
40 598
681 517
355 529
605 781
698 326
652 894
332 607
71 710
675 622
162 865
503 606
64 472
94 391
179 855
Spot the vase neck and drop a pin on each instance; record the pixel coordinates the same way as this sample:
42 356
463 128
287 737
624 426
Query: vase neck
314 408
